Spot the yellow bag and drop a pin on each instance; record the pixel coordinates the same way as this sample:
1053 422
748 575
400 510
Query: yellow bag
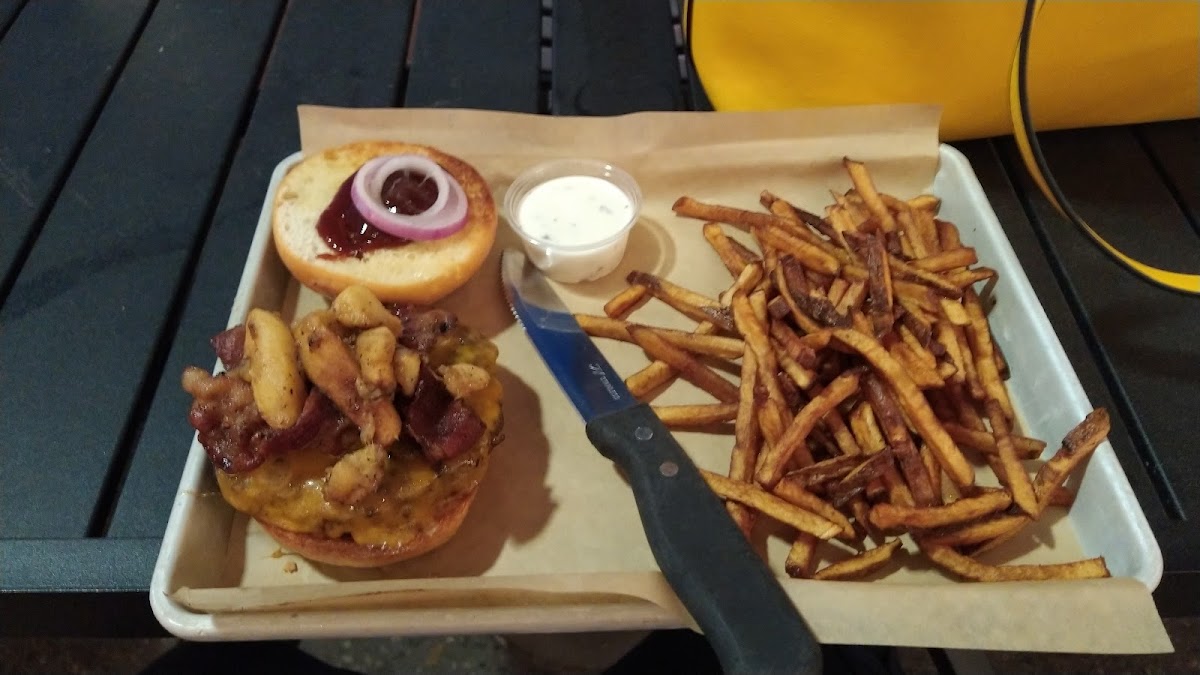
1087 63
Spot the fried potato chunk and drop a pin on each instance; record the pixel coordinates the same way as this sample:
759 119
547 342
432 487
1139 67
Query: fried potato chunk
332 367
356 475
275 378
357 307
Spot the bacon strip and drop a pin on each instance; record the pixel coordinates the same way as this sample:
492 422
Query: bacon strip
443 426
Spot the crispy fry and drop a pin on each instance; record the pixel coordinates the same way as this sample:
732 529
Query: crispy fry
1013 475
946 260
754 333
837 289
897 491
976 532
811 256
802 558
947 559
694 415
901 443
750 277
649 379
770 505
604 327
1015 527
747 220
922 375
658 373
811 303
947 235
891 516
784 304
861 565
913 403
1077 446
841 433
853 298
964 406
803 377
793 492
839 219
730 256
776 459
687 366
980 336
826 470
745 433
786 209
793 345
965 278
938 284
912 244
689 303
866 430
925 225
818 339
1062 497
880 285
622 304
983 442
866 189
696 343
927 203
934 470
970 374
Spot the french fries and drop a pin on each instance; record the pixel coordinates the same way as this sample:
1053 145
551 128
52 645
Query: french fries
869 383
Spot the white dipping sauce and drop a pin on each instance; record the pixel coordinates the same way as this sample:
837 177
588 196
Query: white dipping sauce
574 210
566 214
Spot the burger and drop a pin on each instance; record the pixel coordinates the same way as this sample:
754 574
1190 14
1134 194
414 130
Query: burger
358 434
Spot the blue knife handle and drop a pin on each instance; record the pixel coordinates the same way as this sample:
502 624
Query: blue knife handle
734 597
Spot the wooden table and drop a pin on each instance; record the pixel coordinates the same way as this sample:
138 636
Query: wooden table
136 141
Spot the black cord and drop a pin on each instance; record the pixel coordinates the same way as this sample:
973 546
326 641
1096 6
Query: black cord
1035 148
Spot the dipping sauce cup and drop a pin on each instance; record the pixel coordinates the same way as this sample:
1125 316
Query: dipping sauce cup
573 216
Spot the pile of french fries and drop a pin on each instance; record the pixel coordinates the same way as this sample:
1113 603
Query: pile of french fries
870 386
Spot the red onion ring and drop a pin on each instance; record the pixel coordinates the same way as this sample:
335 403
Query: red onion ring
447 214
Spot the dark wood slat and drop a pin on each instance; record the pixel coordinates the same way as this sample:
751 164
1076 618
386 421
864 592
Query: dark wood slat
52 88
614 57
475 54
72 565
1175 147
80 326
358 65
1143 336
8 13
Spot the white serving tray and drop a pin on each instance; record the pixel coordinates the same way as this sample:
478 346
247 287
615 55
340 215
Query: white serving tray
1106 518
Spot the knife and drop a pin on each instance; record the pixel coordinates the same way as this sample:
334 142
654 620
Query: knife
752 625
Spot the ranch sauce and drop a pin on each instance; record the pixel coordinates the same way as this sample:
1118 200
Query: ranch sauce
576 220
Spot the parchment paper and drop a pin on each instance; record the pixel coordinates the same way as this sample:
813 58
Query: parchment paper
554 522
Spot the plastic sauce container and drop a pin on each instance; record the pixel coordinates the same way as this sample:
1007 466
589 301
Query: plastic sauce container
573 217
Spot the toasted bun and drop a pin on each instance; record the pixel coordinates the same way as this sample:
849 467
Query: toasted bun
421 272
346 553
